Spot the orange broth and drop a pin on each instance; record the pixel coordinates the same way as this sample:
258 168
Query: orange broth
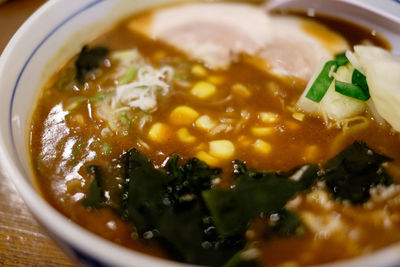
63 142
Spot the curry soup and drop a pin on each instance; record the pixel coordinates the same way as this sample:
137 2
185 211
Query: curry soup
215 115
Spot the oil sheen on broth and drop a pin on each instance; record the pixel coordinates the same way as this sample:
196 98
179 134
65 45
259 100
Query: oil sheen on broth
243 111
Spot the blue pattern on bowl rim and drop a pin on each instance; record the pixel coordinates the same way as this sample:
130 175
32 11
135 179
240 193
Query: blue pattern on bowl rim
54 30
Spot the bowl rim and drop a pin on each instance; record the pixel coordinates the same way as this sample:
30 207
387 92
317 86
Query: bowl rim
61 226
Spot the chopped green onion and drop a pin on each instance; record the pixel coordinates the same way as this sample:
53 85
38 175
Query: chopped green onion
322 83
98 97
143 87
77 101
359 79
181 76
125 119
77 151
129 76
106 148
341 59
351 90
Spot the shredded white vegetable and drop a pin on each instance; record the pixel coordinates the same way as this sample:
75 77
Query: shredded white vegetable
143 92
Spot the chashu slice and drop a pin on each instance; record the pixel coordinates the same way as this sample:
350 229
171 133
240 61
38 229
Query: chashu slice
216 33
212 32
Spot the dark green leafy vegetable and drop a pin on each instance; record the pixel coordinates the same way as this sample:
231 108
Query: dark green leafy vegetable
322 82
154 204
351 90
193 178
239 261
199 224
88 60
354 171
254 193
100 183
288 224
359 79
95 197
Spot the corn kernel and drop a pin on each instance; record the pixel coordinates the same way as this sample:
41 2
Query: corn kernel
183 115
205 123
298 116
216 79
262 131
268 117
203 90
185 136
223 149
241 90
159 132
262 146
199 71
207 158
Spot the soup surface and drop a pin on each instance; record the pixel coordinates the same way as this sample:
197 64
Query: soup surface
128 90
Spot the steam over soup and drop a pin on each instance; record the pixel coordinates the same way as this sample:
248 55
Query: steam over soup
217 134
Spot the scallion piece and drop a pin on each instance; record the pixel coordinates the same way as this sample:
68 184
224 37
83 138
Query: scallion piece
359 79
341 59
106 147
351 90
322 83
129 76
98 97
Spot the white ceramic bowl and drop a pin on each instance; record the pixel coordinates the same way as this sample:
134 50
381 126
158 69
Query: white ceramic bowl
57 31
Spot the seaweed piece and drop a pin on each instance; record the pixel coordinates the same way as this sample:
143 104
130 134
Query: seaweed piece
354 171
199 224
153 205
288 224
255 193
95 197
88 60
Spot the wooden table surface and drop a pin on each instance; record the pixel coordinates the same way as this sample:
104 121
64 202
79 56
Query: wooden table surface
22 241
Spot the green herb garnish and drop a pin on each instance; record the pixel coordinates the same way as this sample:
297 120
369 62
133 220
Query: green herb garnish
106 148
359 79
129 76
351 90
358 89
341 59
98 97
322 82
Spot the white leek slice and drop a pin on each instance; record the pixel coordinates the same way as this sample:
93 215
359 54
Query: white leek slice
382 70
